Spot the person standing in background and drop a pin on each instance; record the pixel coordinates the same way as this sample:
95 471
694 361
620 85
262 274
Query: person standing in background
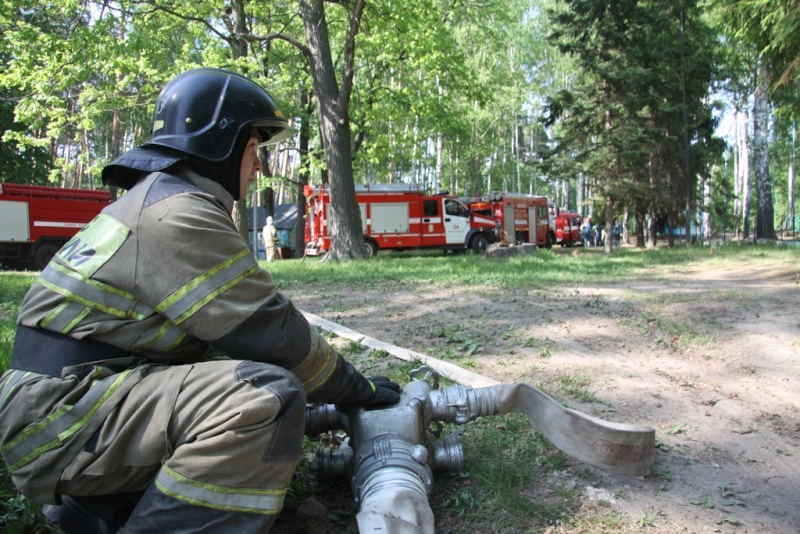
588 236
270 235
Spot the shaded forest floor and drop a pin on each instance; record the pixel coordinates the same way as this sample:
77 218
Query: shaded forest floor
709 356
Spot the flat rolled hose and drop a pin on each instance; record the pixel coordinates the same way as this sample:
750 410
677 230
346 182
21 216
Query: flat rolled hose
613 447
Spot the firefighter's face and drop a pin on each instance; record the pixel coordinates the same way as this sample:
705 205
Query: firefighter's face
251 164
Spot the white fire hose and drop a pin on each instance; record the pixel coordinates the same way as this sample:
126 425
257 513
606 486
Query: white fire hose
391 453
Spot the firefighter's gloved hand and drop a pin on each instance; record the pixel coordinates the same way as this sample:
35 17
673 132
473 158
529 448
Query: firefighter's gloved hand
387 391
372 391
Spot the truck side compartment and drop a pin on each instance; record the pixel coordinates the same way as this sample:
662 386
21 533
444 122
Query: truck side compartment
519 218
36 221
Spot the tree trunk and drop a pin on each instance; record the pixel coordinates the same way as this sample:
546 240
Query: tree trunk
688 181
792 175
765 217
737 174
476 176
744 171
347 241
609 231
625 237
237 25
707 231
608 177
640 228
303 177
651 229
115 145
672 221
516 152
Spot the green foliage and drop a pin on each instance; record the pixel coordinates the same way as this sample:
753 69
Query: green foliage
18 164
13 287
635 117
17 513
772 28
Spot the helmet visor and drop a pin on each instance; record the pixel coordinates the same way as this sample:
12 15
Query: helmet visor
272 131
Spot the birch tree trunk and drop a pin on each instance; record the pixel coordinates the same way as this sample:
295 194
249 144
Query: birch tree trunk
792 174
737 173
707 232
626 238
744 178
517 158
437 184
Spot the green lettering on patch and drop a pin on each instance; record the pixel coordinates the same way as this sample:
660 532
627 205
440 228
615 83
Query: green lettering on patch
94 245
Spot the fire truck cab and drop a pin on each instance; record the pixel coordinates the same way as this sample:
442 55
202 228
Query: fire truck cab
401 217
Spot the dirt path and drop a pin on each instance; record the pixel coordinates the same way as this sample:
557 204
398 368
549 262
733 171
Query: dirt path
710 358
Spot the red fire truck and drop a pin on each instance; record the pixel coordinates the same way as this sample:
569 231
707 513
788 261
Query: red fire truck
401 217
568 228
36 221
520 218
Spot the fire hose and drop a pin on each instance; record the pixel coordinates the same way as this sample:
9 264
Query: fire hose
391 453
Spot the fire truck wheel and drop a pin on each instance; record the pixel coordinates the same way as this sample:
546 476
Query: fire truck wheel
372 248
44 253
479 243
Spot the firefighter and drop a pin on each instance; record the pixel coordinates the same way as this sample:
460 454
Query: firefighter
270 235
158 380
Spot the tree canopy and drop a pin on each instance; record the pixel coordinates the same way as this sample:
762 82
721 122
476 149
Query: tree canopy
604 106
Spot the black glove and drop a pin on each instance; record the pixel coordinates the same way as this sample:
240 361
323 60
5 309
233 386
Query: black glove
371 391
387 391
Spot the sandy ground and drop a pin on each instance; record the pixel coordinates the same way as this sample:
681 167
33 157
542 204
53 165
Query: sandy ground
709 357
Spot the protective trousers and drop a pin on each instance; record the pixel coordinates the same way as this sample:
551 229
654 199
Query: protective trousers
211 445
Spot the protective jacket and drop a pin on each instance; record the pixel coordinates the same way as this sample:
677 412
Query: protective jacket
270 235
110 284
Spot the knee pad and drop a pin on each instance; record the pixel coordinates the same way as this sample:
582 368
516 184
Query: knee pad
289 391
